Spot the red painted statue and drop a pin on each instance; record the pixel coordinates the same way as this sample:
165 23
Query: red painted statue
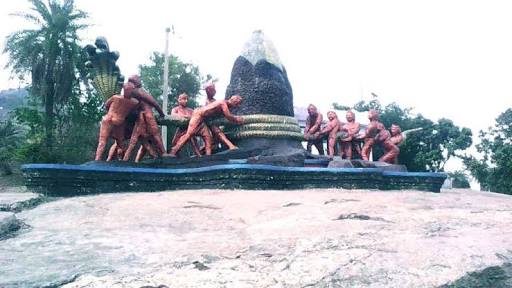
218 135
313 125
331 129
113 123
212 110
146 109
376 133
185 112
352 140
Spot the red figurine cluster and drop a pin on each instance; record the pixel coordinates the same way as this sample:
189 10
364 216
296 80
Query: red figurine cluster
350 138
138 104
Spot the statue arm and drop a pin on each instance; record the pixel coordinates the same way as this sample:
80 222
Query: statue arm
229 116
109 103
146 97
318 123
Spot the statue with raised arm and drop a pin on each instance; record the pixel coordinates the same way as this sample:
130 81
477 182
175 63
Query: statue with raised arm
313 125
113 123
351 139
331 130
212 110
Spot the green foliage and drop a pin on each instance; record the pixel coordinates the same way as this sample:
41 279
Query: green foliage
49 54
9 137
10 100
183 78
426 150
494 170
76 130
60 121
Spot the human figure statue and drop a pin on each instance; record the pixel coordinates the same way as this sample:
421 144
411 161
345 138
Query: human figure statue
313 125
134 132
217 133
210 92
147 105
185 112
331 129
212 110
352 139
396 138
113 123
376 133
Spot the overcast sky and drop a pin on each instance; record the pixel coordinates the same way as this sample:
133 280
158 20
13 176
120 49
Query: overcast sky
445 58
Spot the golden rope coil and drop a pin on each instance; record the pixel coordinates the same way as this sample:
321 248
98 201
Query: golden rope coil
266 134
265 127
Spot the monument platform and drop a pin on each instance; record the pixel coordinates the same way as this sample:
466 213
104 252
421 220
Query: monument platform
95 178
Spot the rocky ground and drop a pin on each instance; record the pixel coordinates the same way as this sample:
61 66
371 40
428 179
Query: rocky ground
307 238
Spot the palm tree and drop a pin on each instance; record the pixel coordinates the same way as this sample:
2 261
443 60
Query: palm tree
49 53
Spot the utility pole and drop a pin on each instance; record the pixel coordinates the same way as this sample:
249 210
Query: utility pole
166 84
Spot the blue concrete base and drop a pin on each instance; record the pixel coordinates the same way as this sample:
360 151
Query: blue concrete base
72 180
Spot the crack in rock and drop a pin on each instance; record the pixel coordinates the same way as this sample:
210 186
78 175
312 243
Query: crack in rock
292 204
202 206
355 216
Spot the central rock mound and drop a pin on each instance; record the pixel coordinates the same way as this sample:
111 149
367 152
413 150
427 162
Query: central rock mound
261 79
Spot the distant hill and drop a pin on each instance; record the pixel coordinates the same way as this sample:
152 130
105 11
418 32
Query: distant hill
11 99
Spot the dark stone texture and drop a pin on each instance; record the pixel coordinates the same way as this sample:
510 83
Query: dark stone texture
337 162
71 180
264 87
494 276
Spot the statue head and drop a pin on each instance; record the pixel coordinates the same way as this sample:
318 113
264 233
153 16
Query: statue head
395 130
312 111
101 43
351 117
135 79
210 90
235 100
183 100
373 115
331 115
128 89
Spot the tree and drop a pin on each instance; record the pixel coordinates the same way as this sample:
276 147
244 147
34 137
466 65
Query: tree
426 150
9 137
50 54
184 78
493 171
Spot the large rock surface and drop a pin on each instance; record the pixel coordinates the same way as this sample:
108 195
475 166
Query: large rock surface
218 238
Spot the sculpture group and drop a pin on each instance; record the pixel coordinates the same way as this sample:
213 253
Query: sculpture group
347 138
129 117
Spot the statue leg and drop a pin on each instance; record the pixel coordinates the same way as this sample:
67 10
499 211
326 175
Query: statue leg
222 137
356 145
331 144
105 130
207 137
319 144
154 132
367 148
193 126
140 154
138 130
112 152
347 147
195 146
391 153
